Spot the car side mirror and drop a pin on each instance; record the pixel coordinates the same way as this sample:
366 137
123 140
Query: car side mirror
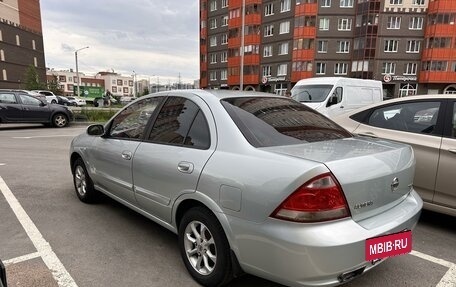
43 104
95 130
332 100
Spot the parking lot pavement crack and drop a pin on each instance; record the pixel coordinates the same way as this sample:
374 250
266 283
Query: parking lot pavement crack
60 274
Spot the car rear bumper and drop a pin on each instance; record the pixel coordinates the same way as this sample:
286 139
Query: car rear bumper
315 254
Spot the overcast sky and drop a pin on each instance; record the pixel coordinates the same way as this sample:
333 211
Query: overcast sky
150 37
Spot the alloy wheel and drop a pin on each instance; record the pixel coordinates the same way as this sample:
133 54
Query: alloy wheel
200 247
80 180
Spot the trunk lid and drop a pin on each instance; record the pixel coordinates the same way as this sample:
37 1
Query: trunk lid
375 174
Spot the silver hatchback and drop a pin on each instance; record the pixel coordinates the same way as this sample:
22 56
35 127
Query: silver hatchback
254 183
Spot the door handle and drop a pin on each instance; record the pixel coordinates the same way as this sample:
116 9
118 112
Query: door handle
185 167
368 134
341 107
126 155
452 150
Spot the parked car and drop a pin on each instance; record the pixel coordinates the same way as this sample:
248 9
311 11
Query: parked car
50 96
17 106
252 181
61 100
426 122
76 101
126 99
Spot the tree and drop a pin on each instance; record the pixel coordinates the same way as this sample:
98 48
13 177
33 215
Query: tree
54 86
146 91
32 80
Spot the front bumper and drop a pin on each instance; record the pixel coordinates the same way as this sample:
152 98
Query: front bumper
297 254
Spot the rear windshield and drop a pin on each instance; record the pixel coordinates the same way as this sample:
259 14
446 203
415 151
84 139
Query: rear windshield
276 121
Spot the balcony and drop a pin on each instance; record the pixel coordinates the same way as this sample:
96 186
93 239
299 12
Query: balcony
427 77
305 32
303 55
307 9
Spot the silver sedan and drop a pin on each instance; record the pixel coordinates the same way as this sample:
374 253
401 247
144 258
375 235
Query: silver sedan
253 183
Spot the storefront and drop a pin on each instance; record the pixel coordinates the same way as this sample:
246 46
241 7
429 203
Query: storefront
399 86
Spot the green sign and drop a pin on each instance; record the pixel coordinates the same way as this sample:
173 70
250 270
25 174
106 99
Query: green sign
89 92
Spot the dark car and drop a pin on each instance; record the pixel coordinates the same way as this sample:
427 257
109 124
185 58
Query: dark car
19 107
61 100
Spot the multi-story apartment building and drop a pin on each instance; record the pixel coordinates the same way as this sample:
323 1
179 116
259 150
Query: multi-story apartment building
67 81
406 44
117 84
21 41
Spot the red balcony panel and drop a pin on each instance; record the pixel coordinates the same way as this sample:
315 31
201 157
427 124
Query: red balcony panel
251 79
251 60
233 80
234 61
303 55
304 32
440 30
203 83
438 54
307 9
437 77
234 42
252 40
252 19
203 49
235 22
296 76
446 6
203 66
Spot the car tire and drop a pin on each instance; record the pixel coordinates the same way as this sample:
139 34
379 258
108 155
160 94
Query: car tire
205 248
83 184
53 102
60 120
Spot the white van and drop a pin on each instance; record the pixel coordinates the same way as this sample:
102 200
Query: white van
333 96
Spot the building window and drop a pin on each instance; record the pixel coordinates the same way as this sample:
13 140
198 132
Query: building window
413 46
213 58
224 57
283 48
346 3
440 66
213 41
224 3
418 2
322 46
2 55
285 5
344 24
438 42
340 68
266 71
62 78
269 9
213 5
35 62
388 68
284 27
324 24
18 40
321 69
267 51
282 70
391 45
416 23
396 2
235 13
225 21
394 22
213 23
343 46
33 45
223 75
5 76
410 69
213 75
268 30
303 44
224 39
1 35
325 3
305 66
119 82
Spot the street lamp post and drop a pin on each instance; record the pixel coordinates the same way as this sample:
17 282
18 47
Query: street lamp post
135 88
77 70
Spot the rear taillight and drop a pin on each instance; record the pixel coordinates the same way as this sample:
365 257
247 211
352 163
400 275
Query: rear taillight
319 199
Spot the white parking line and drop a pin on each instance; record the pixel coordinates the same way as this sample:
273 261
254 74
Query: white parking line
22 258
449 279
51 260
2 164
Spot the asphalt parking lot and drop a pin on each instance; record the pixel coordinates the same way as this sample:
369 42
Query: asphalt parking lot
49 238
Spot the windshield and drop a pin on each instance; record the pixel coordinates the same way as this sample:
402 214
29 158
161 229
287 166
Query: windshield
275 121
310 93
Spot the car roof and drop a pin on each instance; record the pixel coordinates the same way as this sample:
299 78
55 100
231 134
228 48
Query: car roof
219 94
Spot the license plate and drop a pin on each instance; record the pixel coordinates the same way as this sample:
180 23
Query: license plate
388 245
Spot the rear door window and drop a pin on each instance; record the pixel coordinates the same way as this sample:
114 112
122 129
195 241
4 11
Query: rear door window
7 98
280 121
181 122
